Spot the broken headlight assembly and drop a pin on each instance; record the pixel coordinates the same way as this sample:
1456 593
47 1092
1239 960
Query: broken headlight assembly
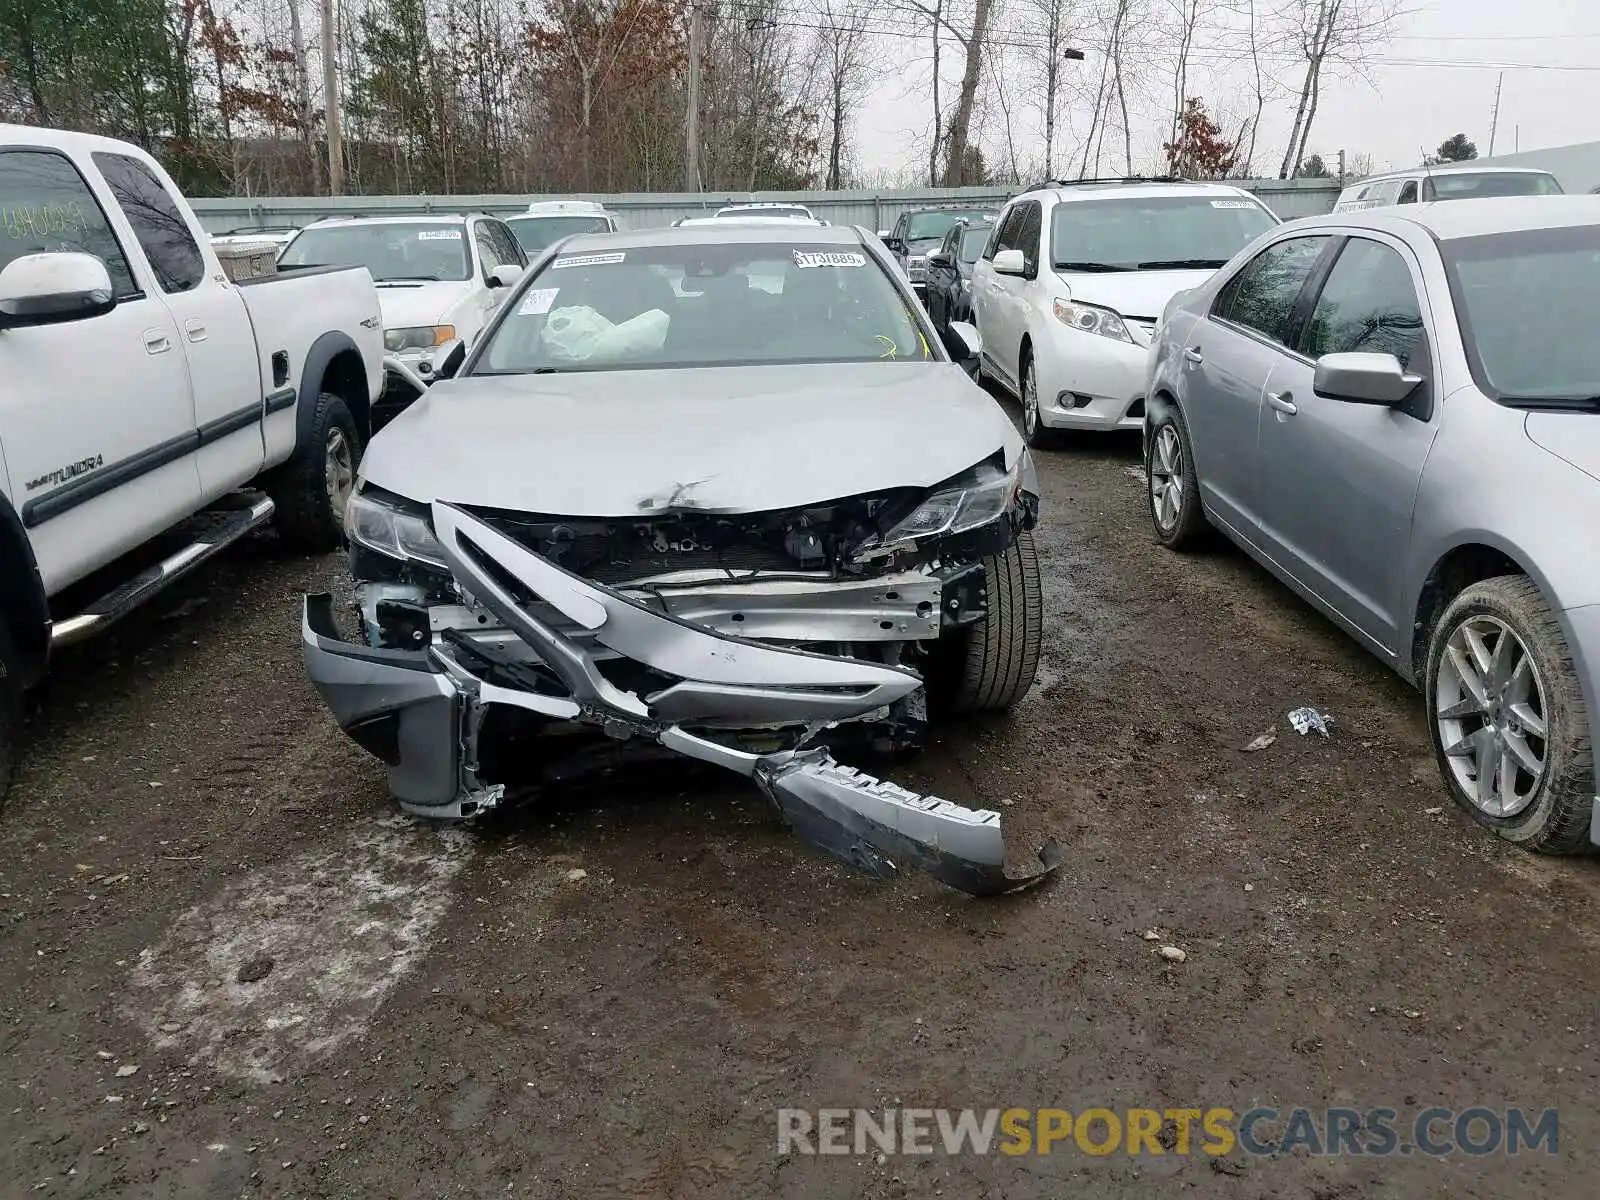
393 527
969 501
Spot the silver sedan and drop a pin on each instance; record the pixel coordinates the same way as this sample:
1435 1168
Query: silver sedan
1398 414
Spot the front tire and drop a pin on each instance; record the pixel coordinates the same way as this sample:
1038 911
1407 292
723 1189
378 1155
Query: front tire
1507 717
1172 487
991 665
312 488
1034 430
10 707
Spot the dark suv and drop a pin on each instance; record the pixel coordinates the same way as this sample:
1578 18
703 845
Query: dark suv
919 232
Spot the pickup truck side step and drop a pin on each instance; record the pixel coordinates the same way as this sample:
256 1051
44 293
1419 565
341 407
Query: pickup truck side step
229 528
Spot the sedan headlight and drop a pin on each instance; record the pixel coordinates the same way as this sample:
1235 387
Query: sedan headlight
971 499
386 526
420 337
1087 318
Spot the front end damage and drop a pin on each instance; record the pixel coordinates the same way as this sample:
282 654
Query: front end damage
740 668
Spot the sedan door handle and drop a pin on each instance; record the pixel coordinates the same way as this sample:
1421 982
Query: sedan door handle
196 329
1192 354
156 342
1283 402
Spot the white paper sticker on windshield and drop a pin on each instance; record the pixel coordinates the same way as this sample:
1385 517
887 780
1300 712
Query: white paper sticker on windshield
537 302
590 260
439 235
1233 204
829 258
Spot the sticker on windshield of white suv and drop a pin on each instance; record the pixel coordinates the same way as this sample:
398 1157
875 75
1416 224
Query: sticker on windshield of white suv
829 258
537 302
1233 204
439 235
590 260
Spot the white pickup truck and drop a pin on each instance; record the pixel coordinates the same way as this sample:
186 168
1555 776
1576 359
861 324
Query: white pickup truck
141 391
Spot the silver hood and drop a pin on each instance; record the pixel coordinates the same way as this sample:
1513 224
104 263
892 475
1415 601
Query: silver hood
728 439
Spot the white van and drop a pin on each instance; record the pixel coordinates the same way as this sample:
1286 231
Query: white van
1421 184
548 221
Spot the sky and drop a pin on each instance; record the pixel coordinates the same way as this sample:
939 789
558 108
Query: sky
1395 108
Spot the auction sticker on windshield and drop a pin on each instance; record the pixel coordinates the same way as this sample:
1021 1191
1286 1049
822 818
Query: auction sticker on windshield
1233 204
439 235
829 258
537 302
590 260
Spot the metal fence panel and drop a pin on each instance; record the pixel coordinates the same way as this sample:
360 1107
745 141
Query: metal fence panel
645 210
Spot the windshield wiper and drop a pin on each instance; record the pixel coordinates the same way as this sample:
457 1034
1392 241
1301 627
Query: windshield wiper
1183 264
406 279
1567 403
1090 266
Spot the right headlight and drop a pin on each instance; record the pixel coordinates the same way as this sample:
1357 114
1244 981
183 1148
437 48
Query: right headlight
974 498
386 526
1088 318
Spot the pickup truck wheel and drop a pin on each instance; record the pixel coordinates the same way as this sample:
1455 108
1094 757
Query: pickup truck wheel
990 666
313 487
10 706
1507 717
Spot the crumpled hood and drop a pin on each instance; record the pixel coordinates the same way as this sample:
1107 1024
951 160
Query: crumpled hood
1573 437
409 306
749 439
1141 294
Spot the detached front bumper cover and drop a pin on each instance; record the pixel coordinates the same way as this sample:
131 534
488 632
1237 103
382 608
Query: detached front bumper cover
421 711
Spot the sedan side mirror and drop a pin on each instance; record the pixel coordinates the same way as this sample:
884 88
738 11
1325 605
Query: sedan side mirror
963 340
504 275
1010 262
49 289
1361 378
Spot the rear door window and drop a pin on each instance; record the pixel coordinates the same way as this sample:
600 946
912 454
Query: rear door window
158 222
1262 296
46 207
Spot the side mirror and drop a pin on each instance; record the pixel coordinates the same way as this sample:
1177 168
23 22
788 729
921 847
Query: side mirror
447 359
49 289
963 340
1010 262
938 259
1362 378
504 275
884 235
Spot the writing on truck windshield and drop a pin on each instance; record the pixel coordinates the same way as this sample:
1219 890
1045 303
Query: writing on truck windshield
393 251
707 305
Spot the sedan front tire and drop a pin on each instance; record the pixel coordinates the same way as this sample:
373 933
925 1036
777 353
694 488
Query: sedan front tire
1172 487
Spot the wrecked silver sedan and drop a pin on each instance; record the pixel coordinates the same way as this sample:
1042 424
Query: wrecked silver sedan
713 492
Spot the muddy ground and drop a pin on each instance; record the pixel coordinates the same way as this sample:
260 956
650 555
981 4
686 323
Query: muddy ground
460 1014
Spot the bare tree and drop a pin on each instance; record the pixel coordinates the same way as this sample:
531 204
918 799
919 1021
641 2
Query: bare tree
970 29
1188 14
1324 31
843 41
302 87
1055 18
1118 54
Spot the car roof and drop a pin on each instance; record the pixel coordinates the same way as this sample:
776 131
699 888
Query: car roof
1471 216
557 208
763 204
402 219
718 233
748 219
1119 189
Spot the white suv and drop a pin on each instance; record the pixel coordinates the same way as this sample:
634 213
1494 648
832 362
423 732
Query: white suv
1074 279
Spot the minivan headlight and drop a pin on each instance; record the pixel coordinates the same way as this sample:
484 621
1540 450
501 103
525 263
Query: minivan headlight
1088 318
387 526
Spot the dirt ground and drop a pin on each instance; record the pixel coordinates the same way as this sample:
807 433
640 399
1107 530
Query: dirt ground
458 1013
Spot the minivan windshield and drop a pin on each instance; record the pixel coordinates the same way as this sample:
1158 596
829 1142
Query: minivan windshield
536 232
1498 281
1463 185
1151 233
393 251
702 305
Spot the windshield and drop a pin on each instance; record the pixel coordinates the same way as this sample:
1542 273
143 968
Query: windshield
704 305
535 233
972 243
927 226
391 250
1528 306
1466 184
1155 232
